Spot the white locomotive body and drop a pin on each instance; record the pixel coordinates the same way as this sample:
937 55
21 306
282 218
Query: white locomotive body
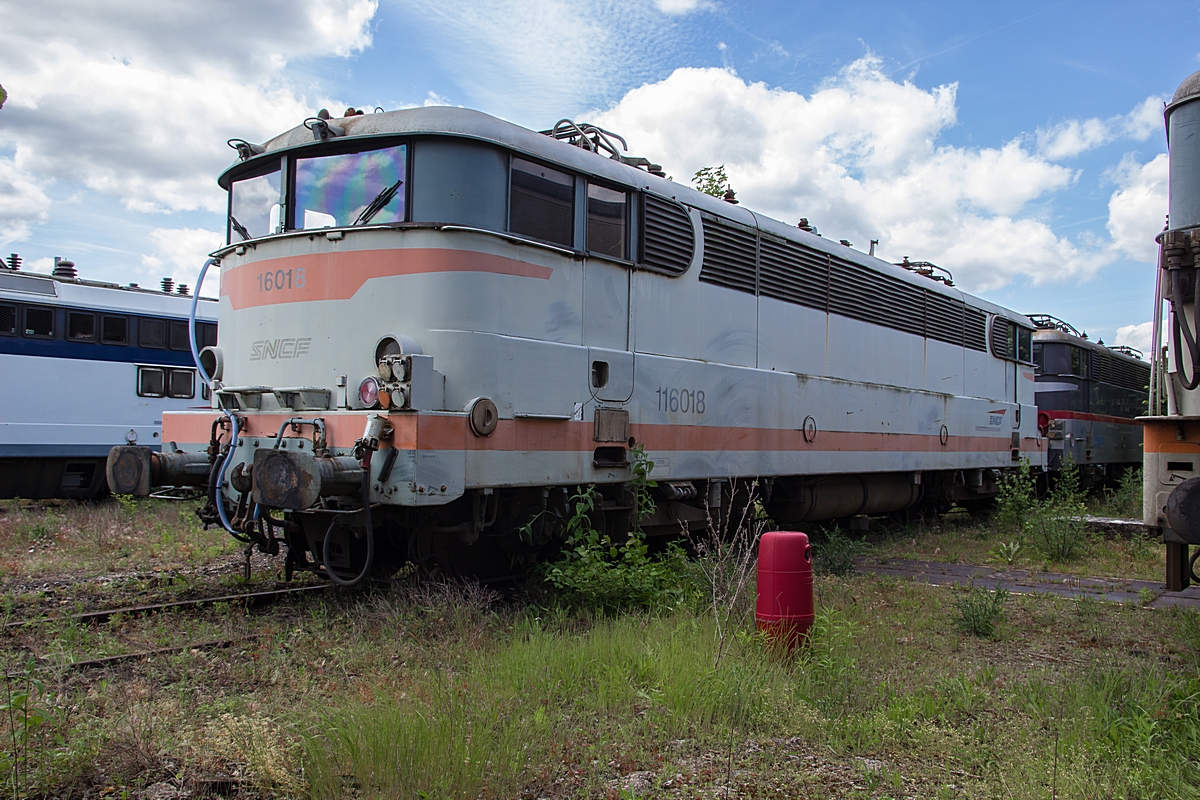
87 366
526 314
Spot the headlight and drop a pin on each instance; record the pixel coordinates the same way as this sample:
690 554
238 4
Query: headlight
368 392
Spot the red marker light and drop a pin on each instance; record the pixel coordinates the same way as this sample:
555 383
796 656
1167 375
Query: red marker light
368 392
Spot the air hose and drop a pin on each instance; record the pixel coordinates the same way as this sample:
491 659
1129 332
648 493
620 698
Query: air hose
1183 334
366 496
214 484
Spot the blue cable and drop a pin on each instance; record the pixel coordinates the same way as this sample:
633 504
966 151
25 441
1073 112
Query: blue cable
204 376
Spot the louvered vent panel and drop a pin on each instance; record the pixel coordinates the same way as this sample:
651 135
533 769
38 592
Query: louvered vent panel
8 319
669 241
728 257
1130 374
793 273
945 318
1001 345
864 294
976 330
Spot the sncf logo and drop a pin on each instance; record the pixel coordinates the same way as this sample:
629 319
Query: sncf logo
279 348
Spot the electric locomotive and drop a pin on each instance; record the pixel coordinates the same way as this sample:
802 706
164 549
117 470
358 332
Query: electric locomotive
125 348
1088 397
435 324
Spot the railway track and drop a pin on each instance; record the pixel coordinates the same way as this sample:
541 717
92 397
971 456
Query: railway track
100 616
247 599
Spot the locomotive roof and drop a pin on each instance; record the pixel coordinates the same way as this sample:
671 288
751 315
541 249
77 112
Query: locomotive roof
471 124
1048 335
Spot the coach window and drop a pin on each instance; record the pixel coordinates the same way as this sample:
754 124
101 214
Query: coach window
81 327
8 320
152 382
152 333
206 335
607 213
39 322
254 207
541 203
351 189
179 336
181 383
114 330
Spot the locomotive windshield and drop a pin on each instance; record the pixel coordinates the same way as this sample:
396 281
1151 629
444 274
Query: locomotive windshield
350 189
254 207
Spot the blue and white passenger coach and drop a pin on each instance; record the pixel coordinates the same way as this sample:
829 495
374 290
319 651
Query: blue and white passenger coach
86 366
435 324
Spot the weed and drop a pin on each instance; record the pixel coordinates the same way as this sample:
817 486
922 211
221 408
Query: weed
26 719
834 553
1146 596
726 561
599 573
1007 551
1017 497
1055 526
979 610
1125 500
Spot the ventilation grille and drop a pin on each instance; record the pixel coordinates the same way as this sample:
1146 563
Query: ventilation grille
793 273
39 322
975 335
1119 372
729 256
152 333
1002 346
797 273
114 330
669 241
81 327
179 336
8 319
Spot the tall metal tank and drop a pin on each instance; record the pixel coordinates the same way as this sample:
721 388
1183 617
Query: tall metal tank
1183 143
1171 455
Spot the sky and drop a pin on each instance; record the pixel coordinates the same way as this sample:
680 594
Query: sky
1019 145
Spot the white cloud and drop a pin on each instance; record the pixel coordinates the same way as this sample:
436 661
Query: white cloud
1073 137
537 61
179 253
680 6
1137 209
860 158
136 101
23 201
1135 336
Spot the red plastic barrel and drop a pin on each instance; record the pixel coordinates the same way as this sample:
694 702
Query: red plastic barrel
784 610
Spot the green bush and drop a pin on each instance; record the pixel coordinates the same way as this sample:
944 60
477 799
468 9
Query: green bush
1055 526
1125 501
1018 496
979 610
834 553
608 576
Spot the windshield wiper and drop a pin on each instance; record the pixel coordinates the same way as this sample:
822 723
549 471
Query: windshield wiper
239 227
377 205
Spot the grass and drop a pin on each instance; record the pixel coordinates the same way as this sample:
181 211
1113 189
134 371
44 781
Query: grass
45 539
961 538
443 691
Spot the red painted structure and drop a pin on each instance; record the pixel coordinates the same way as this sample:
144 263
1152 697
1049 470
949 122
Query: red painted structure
784 609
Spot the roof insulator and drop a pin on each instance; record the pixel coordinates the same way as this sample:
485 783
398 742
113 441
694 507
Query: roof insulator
168 285
64 269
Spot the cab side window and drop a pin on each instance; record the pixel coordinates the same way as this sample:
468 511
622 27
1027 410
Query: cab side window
542 203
